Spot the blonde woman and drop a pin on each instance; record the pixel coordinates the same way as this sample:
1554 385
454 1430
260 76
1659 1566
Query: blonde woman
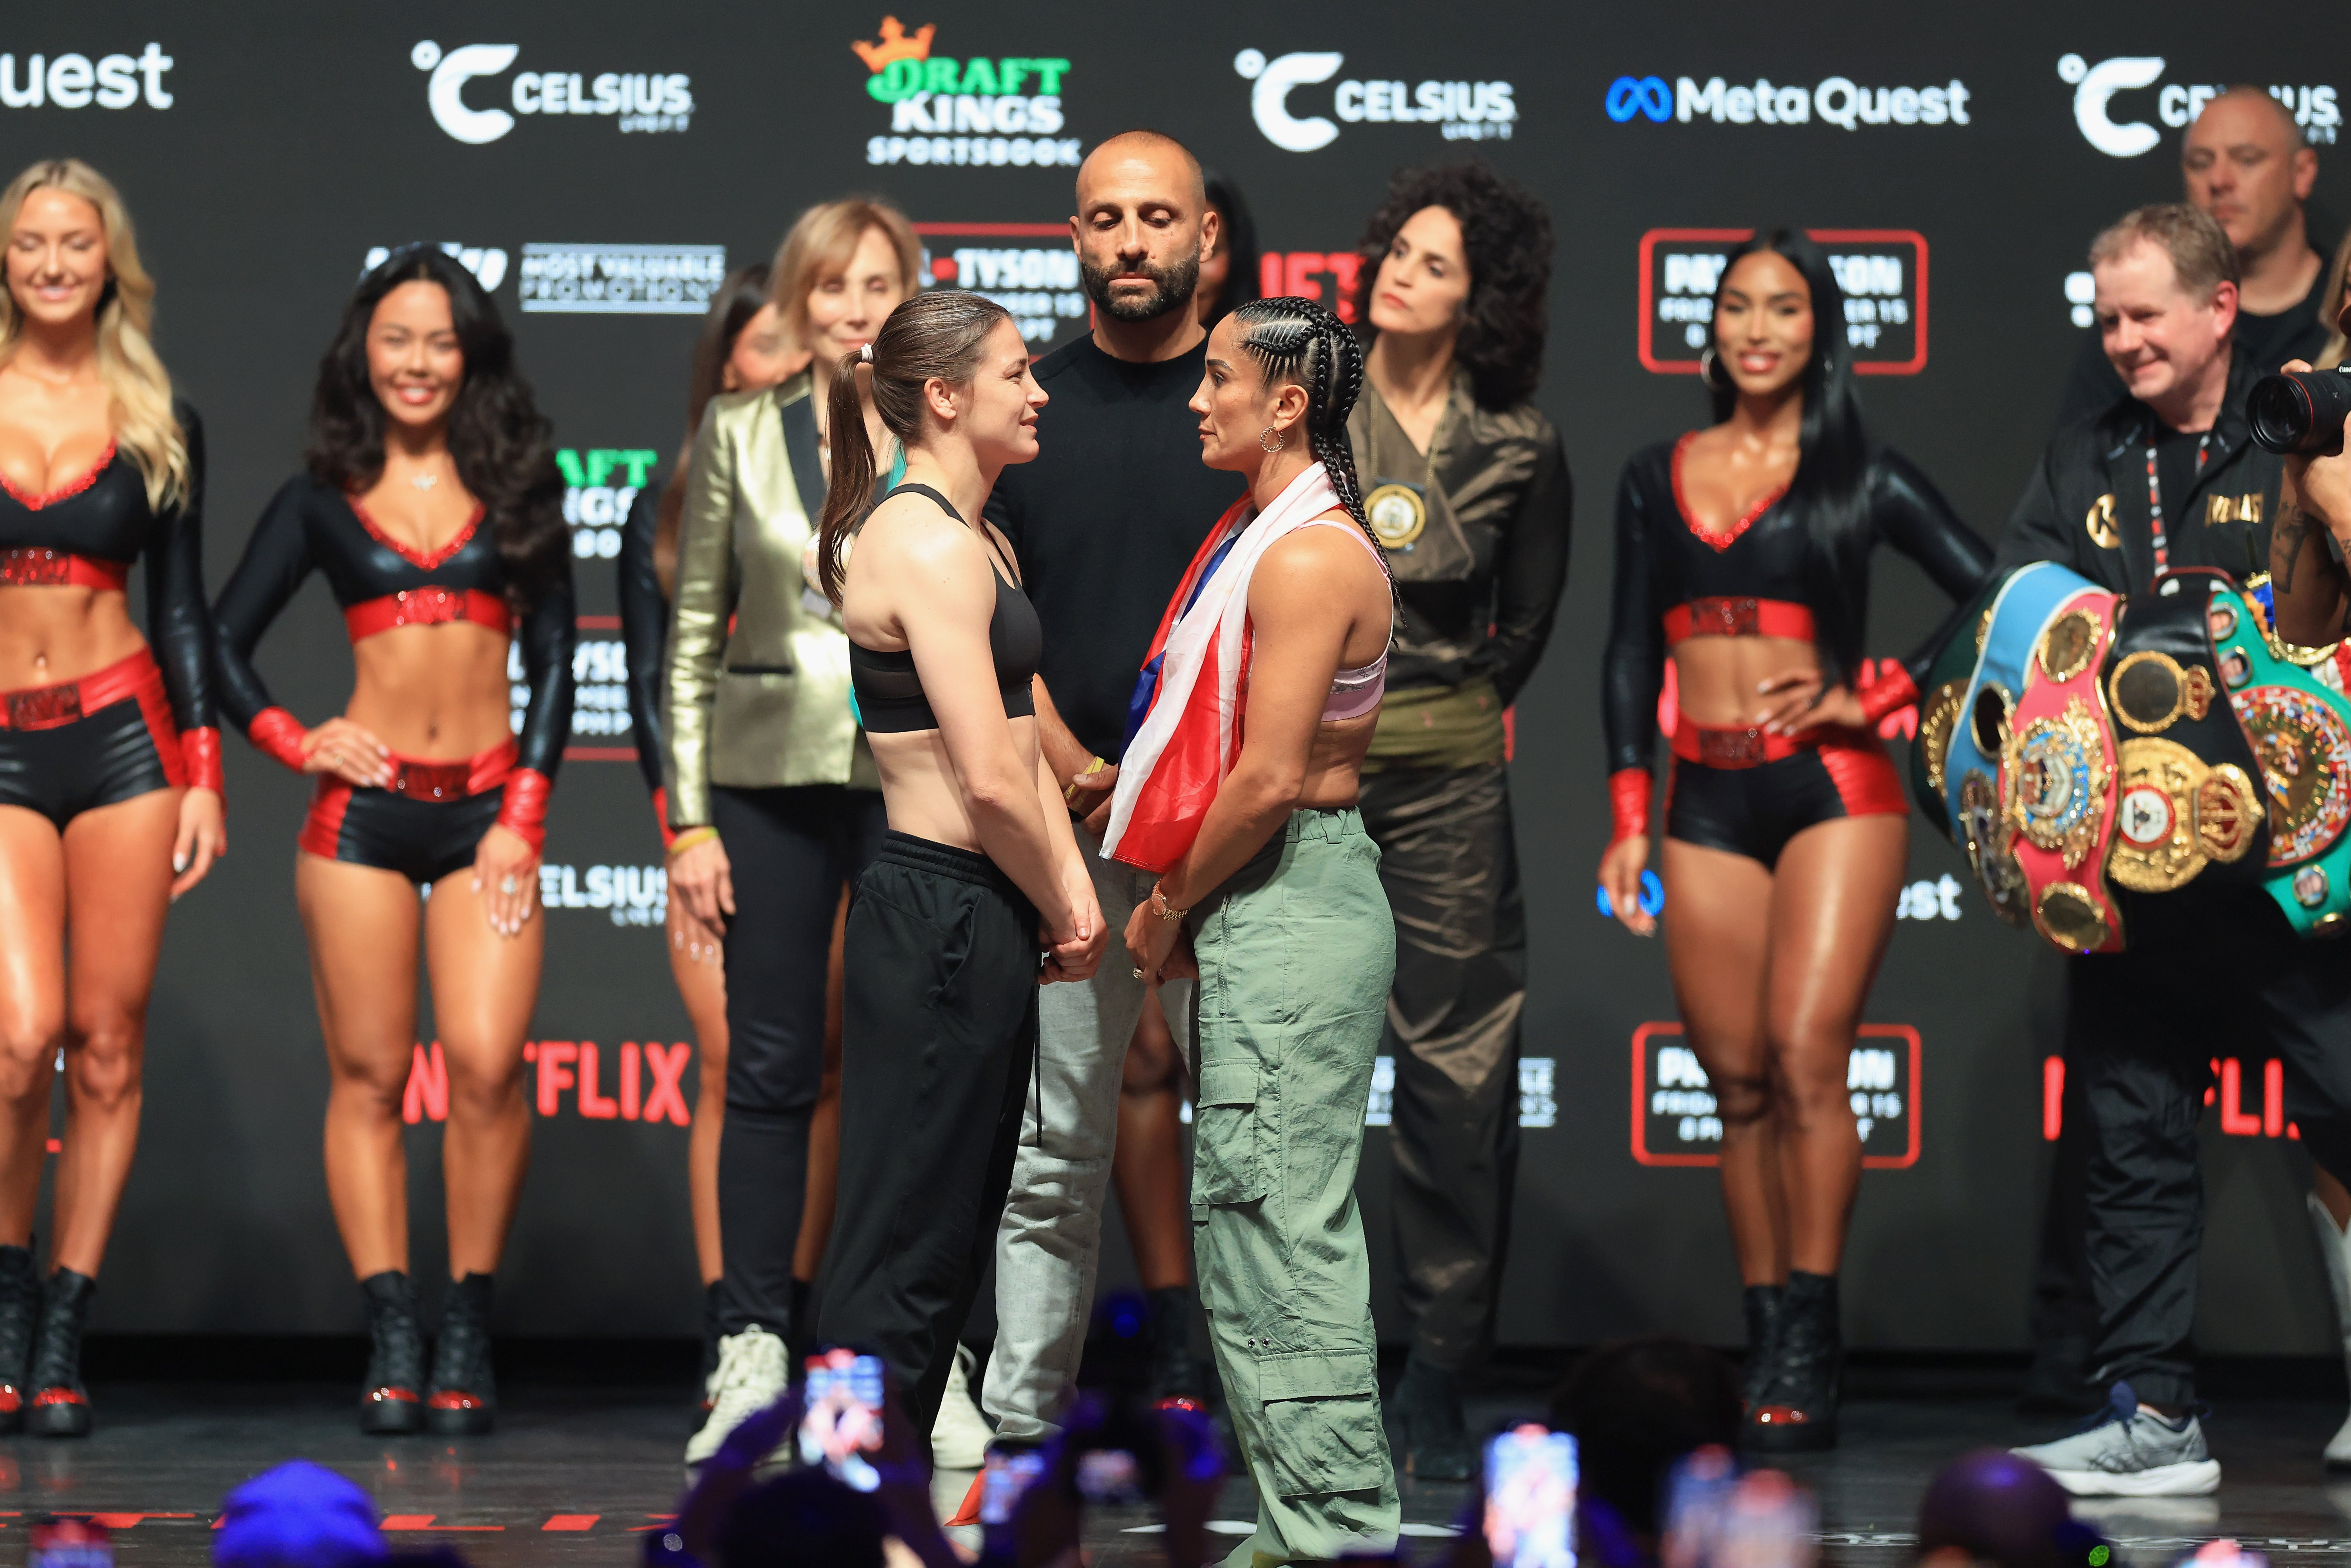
773 797
109 762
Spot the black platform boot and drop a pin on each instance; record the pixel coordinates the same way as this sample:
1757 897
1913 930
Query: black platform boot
1176 1376
60 1405
1436 1439
1798 1412
464 1399
393 1397
20 1311
1762 1304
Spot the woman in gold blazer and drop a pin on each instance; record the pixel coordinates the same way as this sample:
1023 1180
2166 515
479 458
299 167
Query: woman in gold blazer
771 790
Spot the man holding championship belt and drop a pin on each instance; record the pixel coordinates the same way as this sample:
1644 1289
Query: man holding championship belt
2166 479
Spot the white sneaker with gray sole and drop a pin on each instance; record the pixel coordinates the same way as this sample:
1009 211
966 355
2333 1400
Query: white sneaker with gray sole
2130 1452
752 1374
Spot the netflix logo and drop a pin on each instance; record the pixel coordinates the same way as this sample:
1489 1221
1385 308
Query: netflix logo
647 1082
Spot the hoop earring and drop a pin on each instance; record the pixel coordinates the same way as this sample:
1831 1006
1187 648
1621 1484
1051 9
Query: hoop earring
1708 363
1279 440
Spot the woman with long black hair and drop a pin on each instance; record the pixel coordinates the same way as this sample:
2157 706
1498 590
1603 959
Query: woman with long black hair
1743 551
109 763
431 503
981 867
741 347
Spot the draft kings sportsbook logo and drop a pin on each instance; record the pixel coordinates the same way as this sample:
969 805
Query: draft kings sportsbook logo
987 112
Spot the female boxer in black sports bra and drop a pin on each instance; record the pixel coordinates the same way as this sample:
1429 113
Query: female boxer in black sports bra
109 765
1743 550
433 507
980 868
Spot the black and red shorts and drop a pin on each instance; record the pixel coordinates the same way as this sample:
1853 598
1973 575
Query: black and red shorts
426 826
82 743
1749 793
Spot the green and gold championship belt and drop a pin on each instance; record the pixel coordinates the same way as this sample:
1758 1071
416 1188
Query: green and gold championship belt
2298 727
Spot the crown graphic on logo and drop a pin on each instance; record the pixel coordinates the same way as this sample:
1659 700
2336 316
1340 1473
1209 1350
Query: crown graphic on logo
895 45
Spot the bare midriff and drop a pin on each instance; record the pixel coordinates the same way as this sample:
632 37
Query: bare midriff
435 693
54 634
1334 762
1716 678
919 789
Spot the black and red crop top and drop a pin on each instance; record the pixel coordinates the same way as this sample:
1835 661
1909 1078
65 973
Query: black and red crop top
1676 580
380 584
87 534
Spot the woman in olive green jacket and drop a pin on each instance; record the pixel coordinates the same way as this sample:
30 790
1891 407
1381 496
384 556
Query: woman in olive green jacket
771 790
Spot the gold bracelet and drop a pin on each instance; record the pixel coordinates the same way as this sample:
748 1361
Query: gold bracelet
691 837
1163 909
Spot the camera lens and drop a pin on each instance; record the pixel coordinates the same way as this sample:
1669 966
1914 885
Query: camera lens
2299 411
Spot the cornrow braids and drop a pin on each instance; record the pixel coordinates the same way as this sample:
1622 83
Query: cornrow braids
1302 343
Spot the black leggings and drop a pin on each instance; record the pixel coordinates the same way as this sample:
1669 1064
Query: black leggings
938 1035
789 852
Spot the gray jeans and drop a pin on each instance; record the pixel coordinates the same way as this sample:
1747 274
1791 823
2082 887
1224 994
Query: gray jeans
1049 1241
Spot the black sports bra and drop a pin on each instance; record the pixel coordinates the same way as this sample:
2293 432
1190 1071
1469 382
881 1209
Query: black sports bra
890 699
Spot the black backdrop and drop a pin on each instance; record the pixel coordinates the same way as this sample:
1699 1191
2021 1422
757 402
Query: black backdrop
281 143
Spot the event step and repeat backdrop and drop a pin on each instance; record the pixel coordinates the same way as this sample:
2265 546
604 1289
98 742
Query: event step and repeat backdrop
599 166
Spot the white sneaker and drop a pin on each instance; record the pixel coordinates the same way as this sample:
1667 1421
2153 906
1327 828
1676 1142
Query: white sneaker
959 1437
752 1374
2334 1249
2131 1452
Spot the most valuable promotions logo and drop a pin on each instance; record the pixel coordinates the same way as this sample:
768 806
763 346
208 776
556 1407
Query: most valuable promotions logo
2314 107
980 113
638 100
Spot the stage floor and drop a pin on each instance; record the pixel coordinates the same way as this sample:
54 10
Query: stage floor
574 1473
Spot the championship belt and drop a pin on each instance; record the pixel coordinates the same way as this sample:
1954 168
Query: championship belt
1945 693
2004 638
2058 772
2300 732
2188 807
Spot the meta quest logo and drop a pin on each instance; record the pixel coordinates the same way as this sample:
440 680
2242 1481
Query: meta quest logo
982 112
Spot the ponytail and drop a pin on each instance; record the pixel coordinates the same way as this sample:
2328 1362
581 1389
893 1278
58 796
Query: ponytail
850 489
1302 343
940 336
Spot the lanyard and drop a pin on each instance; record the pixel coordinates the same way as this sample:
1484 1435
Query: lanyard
2154 495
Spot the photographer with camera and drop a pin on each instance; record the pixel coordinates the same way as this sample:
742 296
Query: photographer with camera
2168 476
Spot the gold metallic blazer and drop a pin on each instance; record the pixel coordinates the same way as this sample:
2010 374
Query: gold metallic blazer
757 687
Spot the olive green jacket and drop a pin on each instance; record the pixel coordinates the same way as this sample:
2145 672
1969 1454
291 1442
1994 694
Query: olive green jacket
757 687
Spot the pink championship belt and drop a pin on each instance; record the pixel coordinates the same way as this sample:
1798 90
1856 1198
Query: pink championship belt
2057 778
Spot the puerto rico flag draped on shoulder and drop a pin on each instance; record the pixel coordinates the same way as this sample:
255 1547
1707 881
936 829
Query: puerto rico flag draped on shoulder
1191 731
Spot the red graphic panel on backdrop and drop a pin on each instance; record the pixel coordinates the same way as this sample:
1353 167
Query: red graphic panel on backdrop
1882 272
1676 1121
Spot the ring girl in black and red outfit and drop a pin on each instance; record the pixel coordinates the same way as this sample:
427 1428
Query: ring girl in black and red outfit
433 507
109 763
1743 551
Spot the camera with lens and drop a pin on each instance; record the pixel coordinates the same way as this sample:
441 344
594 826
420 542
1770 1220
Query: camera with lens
2300 411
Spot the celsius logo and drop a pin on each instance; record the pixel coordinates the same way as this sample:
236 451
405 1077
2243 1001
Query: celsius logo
487 264
1469 110
984 111
2314 108
643 101
75 81
1837 100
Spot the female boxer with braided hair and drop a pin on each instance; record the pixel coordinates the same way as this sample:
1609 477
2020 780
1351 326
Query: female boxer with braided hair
1238 786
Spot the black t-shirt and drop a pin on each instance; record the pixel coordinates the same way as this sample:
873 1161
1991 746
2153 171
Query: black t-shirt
2176 452
1106 519
2265 341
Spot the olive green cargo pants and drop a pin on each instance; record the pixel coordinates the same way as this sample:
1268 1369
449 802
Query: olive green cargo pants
1296 954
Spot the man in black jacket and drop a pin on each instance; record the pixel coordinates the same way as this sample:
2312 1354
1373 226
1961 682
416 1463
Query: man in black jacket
2168 477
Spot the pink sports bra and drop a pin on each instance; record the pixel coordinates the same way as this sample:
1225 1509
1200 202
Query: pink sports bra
1356 692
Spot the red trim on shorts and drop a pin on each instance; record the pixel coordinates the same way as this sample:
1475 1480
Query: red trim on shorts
155 707
322 830
1864 775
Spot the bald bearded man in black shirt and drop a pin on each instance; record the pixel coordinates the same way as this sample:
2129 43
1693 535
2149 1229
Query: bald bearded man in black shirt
1106 519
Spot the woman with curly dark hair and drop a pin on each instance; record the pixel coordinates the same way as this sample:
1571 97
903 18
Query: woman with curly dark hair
1467 486
1742 554
432 504
1240 789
